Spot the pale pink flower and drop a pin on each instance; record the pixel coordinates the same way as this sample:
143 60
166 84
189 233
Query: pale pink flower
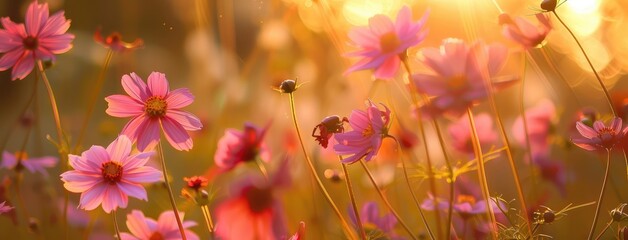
5 208
165 227
20 159
108 176
241 146
540 122
459 75
364 140
460 132
115 43
40 38
152 107
383 43
523 31
600 137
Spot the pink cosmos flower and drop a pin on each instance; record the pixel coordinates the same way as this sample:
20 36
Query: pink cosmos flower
108 176
383 42
523 31
460 132
5 208
364 140
457 77
39 39
241 146
152 107
115 43
374 224
465 205
33 165
165 227
600 137
252 211
540 123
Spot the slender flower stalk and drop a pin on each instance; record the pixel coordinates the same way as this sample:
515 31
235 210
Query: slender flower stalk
94 97
55 111
354 205
599 201
482 173
416 201
170 195
343 221
208 218
115 224
385 200
604 229
597 76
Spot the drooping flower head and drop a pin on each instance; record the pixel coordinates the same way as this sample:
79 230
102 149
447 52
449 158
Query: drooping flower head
459 74
4 208
539 120
368 128
40 38
523 31
600 137
115 43
241 146
460 132
108 176
141 227
383 43
20 160
376 226
152 107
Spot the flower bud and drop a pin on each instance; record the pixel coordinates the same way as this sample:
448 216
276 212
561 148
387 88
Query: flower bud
288 86
548 5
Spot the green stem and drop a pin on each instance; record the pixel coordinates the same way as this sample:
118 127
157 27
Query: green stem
345 224
599 201
115 224
356 212
477 149
385 200
597 76
92 101
170 195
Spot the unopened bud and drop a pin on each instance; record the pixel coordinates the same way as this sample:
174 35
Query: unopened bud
288 86
548 5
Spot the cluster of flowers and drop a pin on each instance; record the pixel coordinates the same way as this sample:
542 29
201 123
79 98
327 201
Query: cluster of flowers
459 76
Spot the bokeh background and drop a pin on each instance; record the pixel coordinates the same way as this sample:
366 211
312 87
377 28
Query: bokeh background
232 53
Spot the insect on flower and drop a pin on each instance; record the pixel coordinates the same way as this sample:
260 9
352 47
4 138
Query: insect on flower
327 127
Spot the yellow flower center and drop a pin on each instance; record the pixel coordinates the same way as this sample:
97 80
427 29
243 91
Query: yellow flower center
457 82
368 131
155 106
112 172
466 199
21 156
389 42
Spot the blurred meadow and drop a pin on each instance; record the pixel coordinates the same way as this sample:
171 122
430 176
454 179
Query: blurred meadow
233 56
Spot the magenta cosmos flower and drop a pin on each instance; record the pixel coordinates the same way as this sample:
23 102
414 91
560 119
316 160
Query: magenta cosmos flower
165 227
241 146
458 75
523 31
600 137
152 107
108 176
460 132
383 42
33 165
374 224
368 129
39 39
